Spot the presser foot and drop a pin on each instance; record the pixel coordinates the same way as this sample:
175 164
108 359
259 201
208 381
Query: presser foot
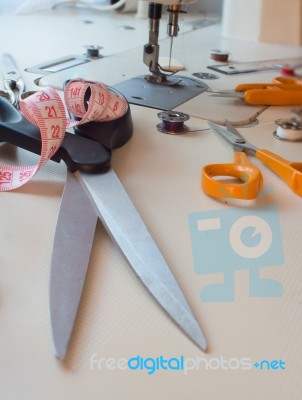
161 76
162 80
148 91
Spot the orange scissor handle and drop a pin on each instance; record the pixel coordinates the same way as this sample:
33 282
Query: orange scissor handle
249 177
279 82
273 96
282 91
243 87
283 80
290 172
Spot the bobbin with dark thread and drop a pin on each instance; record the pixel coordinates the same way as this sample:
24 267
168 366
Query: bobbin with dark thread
219 55
172 122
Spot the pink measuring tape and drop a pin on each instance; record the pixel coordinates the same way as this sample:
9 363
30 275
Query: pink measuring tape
46 110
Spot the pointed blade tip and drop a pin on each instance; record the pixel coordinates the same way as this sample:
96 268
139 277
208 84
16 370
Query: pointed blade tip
60 347
201 343
60 353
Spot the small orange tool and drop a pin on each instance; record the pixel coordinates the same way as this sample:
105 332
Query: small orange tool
280 92
249 176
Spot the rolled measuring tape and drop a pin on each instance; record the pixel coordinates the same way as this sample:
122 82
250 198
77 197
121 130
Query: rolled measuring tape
86 101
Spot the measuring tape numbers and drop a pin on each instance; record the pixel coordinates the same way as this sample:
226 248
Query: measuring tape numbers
46 110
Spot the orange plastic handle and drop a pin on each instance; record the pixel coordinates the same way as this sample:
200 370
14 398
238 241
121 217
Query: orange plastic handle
243 87
289 172
273 96
282 91
249 176
286 80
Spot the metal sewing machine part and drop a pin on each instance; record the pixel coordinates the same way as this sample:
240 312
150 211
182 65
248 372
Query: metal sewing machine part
151 49
162 88
290 129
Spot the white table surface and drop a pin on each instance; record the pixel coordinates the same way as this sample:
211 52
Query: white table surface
118 319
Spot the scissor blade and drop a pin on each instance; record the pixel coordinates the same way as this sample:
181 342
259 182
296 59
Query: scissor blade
233 130
227 93
233 137
9 68
71 251
126 227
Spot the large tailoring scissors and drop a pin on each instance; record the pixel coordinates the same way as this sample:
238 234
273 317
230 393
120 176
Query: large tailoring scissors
93 191
248 178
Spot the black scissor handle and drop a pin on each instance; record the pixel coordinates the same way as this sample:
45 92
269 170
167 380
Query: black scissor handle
112 134
78 152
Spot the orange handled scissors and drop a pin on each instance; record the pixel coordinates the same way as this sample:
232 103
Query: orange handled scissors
248 177
282 91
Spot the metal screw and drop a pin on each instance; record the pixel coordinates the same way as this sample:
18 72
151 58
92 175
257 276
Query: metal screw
93 51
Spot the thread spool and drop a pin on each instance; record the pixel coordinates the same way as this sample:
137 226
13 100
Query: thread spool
298 112
288 129
219 55
172 122
288 71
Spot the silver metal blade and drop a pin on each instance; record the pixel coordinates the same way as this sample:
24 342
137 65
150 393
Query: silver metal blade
71 251
232 129
126 227
227 93
9 68
232 136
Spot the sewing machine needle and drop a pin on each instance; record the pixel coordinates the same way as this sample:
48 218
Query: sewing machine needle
170 55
